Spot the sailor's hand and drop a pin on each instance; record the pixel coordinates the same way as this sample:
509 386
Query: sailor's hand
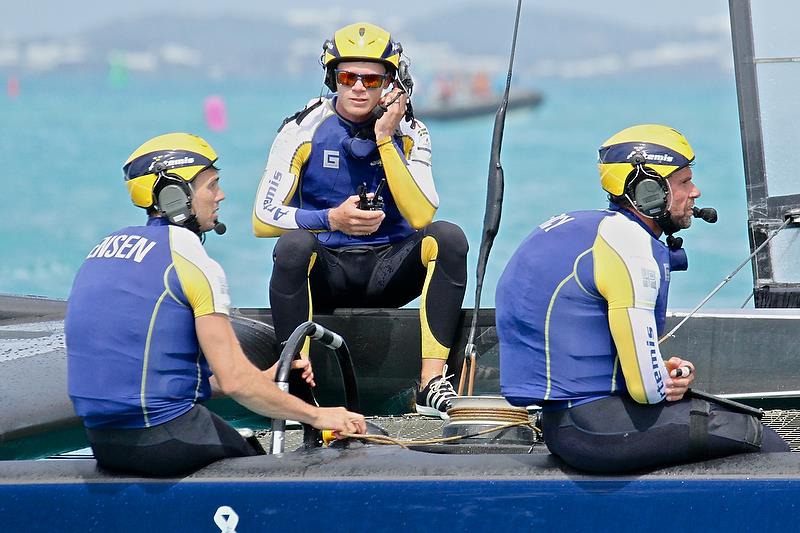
307 374
299 364
395 109
339 420
681 376
351 220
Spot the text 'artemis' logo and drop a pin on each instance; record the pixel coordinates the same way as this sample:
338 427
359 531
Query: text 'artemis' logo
330 158
650 158
654 359
171 162
269 200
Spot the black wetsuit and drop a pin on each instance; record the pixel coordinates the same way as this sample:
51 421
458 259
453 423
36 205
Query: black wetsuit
389 275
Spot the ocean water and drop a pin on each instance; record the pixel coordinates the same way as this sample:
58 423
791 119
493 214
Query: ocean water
64 139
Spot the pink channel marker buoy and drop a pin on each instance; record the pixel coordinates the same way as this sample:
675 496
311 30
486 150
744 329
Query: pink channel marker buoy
12 87
216 115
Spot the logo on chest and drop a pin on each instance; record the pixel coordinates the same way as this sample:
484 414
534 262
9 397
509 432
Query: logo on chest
330 159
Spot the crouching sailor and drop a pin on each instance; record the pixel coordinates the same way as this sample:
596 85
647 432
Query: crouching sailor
148 334
341 241
580 308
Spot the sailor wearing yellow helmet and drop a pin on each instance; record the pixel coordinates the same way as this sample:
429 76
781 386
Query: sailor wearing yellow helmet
148 334
348 189
581 306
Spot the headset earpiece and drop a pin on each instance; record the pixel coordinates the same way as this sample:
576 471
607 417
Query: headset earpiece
173 198
647 191
330 78
175 204
327 45
404 77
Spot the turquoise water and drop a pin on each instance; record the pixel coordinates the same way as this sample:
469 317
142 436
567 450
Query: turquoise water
64 140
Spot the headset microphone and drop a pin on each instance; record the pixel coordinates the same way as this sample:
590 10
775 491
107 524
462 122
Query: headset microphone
220 228
709 214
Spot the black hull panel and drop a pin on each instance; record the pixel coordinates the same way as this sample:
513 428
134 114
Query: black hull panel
385 345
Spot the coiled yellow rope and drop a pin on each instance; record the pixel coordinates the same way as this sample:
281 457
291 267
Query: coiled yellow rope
507 416
497 414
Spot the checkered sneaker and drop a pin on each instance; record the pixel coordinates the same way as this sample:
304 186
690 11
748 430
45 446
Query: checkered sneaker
434 399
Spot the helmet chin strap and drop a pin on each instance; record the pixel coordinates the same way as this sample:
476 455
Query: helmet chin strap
664 220
666 224
194 226
669 228
191 223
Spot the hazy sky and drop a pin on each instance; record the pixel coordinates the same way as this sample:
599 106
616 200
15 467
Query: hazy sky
42 18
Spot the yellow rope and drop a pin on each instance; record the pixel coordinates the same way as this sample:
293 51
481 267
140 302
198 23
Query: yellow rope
383 439
499 414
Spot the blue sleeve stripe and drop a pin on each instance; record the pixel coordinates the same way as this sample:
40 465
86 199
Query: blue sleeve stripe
312 220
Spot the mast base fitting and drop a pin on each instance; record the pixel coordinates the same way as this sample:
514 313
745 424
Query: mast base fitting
793 216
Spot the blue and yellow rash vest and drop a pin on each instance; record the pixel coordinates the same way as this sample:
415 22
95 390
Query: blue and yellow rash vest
317 163
580 307
133 357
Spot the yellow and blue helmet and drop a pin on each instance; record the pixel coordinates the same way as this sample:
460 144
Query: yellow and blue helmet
659 148
181 154
361 41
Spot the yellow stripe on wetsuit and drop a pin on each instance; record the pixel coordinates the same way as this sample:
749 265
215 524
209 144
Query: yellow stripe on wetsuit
630 312
431 348
415 207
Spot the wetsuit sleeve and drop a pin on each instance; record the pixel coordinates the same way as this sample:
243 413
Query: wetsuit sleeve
202 279
627 276
409 174
289 153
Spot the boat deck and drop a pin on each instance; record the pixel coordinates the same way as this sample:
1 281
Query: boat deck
391 463
383 488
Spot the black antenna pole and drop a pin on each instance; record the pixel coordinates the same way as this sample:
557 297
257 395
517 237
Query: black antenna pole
491 217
